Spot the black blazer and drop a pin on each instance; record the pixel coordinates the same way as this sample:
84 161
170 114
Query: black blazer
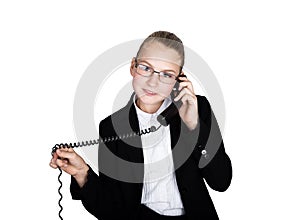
117 191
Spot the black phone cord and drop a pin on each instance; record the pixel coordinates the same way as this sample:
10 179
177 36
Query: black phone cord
93 142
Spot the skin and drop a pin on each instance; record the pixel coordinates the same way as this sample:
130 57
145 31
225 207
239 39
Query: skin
160 58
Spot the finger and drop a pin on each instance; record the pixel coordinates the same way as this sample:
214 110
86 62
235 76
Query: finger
186 84
61 163
66 161
54 156
67 149
188 99
65 154
53 165
182 93
179 96
182 77
67 167
182 74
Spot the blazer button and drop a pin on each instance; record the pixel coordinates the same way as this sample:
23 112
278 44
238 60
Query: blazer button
184 189
205 154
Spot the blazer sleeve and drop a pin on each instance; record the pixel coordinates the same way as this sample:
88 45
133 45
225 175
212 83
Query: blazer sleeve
98 195
95 195
214 163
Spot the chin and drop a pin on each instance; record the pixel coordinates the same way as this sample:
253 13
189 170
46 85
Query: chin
155 100
151 100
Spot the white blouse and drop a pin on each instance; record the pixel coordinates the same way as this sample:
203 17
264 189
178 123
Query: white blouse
160 190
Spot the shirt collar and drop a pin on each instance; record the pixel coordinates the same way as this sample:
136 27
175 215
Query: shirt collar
144 116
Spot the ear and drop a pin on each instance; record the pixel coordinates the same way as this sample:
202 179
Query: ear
132 66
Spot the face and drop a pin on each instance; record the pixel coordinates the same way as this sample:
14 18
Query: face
149 90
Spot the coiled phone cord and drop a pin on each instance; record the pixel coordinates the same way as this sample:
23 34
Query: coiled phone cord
61 196
93 142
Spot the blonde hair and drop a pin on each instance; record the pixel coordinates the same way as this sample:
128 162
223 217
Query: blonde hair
169 40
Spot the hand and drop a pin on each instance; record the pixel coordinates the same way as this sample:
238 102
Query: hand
71 163
189 109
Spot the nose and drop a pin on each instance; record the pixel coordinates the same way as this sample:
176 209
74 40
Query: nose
153 80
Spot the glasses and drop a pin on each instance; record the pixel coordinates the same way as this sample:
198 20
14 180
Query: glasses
147 71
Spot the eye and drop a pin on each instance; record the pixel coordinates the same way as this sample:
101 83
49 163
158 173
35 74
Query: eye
144 68
167 75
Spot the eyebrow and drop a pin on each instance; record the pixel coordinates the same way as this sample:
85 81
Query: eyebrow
170 70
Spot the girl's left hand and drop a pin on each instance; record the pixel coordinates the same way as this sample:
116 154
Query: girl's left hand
189 109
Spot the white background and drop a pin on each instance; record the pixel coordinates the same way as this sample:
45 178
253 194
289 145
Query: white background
251 46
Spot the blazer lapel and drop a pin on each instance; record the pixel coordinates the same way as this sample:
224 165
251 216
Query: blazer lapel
136 153
175 130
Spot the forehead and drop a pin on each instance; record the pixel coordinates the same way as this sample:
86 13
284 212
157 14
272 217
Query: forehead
159 52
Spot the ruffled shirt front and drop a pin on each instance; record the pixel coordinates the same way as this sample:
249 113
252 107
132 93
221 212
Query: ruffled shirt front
160 190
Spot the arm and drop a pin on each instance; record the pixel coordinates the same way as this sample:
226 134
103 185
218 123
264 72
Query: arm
94 194
100 193
85 184
216 166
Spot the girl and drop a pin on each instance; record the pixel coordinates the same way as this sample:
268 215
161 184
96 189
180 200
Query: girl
168 184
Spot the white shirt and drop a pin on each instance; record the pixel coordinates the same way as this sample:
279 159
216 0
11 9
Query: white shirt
160 190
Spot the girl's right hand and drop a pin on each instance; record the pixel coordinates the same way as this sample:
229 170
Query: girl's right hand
71 163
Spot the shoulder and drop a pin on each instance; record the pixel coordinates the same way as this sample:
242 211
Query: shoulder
204 107
119 119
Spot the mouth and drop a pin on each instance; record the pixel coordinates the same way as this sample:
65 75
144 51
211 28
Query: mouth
149 93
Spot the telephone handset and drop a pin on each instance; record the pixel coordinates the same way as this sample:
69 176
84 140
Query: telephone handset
165 117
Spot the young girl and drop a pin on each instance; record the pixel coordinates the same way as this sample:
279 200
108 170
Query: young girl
154 175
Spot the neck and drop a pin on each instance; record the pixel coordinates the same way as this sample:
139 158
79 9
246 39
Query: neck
148 108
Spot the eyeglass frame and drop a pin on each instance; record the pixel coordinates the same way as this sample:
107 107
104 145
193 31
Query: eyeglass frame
158 72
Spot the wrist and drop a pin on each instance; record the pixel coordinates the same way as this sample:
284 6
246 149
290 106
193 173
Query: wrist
192 125
81 176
